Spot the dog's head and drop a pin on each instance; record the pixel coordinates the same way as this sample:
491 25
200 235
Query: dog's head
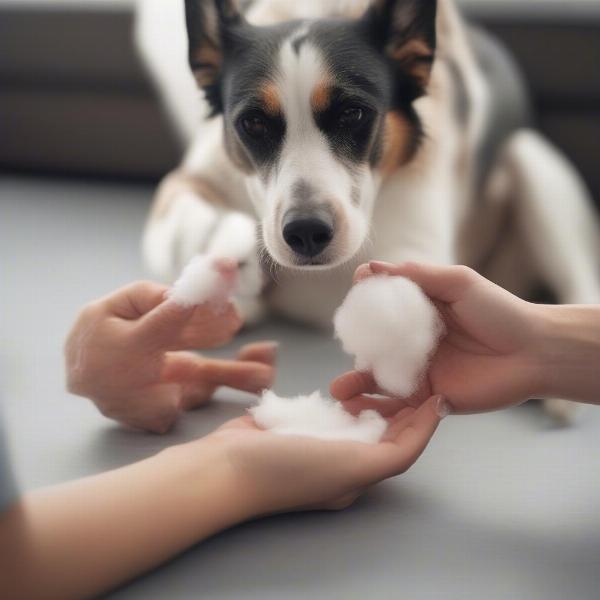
315 114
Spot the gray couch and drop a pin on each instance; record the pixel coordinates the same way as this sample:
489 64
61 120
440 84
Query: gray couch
74 97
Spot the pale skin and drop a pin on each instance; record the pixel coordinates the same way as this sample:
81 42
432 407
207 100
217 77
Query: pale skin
499 350
128 353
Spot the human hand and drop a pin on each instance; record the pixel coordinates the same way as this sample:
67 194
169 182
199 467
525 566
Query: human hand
487 360
126 352
280 473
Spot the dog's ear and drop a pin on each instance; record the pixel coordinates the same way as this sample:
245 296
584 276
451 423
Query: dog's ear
405 31
210 26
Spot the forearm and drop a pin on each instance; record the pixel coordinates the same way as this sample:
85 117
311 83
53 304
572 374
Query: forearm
81 539
569 353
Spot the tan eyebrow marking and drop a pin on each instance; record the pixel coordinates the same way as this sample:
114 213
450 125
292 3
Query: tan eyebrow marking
270 98
320 98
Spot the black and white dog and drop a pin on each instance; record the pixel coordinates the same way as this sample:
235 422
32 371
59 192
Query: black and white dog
345 130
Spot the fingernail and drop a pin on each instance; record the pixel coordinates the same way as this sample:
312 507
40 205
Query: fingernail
378 264
362 272
272 349
442 408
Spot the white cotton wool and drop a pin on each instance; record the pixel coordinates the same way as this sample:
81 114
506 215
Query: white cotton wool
201 281
317 417
392 329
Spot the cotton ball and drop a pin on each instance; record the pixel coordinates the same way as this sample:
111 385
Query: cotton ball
203 281
317 417
392 329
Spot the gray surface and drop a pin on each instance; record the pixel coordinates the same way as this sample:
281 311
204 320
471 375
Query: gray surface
500 507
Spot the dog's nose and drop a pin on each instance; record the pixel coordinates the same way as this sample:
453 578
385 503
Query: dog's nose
307 236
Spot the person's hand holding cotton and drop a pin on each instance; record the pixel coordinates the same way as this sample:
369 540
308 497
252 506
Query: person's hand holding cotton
128 352
487 360
392 329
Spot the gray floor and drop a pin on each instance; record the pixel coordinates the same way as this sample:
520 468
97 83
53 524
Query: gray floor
500 507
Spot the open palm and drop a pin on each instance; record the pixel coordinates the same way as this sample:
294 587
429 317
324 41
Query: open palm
302 473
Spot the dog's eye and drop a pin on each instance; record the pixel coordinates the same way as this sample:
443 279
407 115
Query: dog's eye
255 126
350 117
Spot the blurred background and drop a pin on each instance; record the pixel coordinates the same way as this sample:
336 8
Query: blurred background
75 100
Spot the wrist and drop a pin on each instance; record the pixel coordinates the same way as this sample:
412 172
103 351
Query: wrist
211 490
568 352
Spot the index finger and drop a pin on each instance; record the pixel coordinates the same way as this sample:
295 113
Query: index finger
252 377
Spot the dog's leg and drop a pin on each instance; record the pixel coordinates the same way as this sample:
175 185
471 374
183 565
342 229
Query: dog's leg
415 217
491 241
558 226
556 217
202 208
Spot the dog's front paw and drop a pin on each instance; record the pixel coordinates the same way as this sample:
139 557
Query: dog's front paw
235 237
177 230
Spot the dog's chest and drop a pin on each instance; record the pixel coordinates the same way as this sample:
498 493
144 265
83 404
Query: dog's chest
312 297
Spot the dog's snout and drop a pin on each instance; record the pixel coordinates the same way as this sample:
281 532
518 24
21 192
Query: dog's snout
307 236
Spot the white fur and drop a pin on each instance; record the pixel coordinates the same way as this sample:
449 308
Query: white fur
318 417
392 329
173 240
235 237
202 282
274 11
161 38
554 211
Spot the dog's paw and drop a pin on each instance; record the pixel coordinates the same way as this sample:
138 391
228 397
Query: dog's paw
175 235
235 238
193 226
562 412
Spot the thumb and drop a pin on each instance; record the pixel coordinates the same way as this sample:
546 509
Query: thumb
135 300
411 434
445 284
161 326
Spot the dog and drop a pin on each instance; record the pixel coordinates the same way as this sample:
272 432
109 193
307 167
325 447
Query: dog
338 131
